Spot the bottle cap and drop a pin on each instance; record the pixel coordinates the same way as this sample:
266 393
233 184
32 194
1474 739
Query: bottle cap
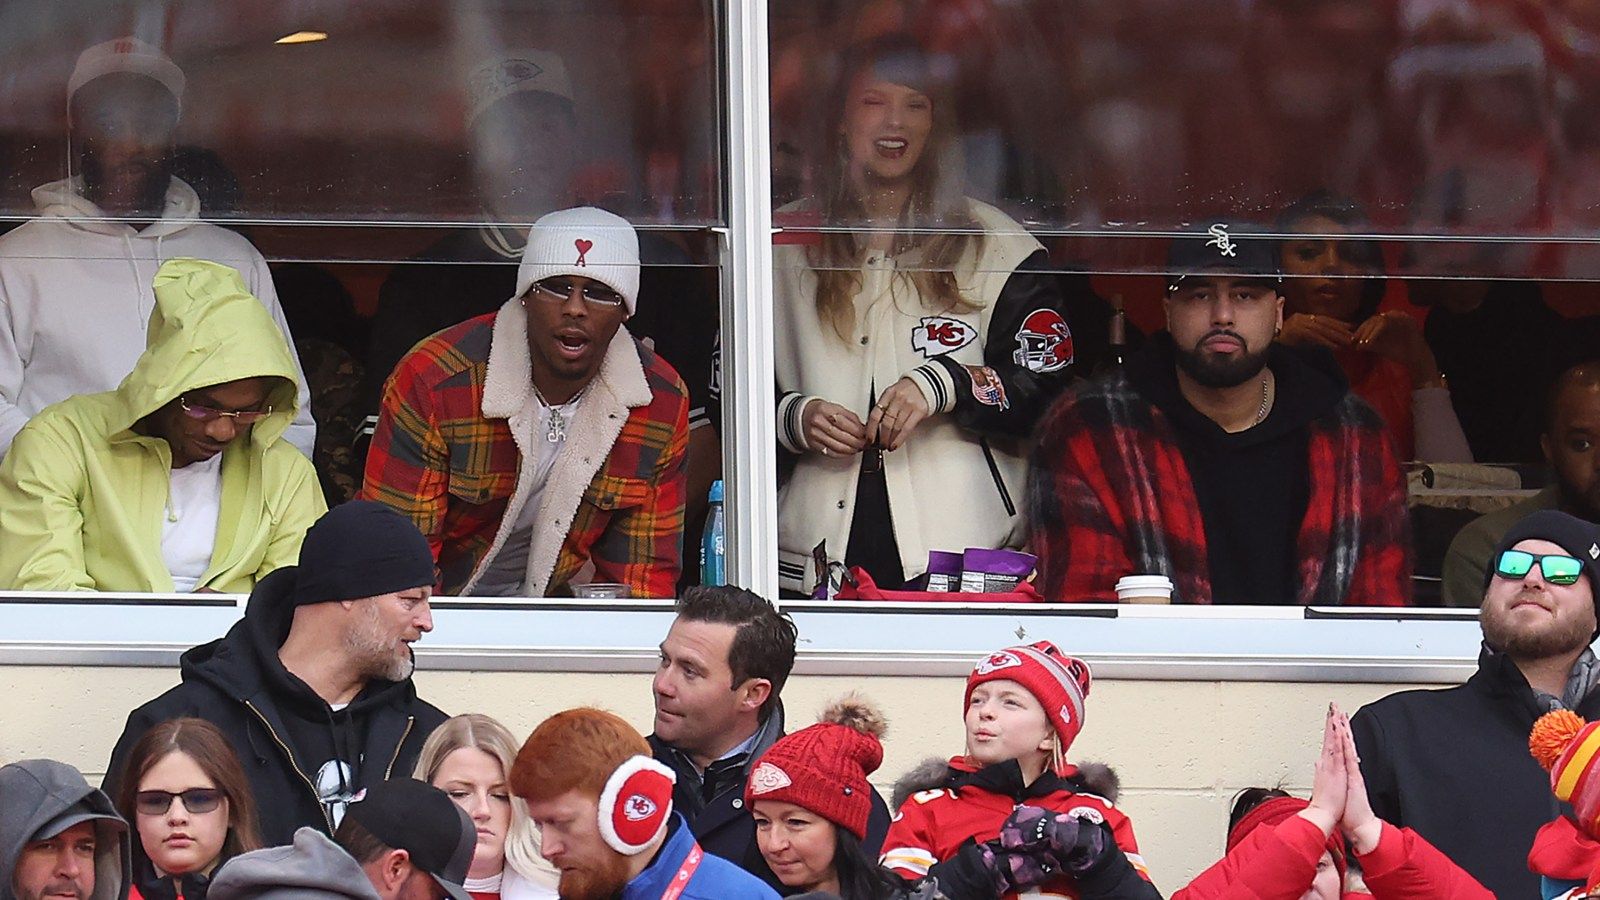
716 491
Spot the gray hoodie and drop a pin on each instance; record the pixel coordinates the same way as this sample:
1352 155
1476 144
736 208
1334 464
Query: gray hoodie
40 798
314 868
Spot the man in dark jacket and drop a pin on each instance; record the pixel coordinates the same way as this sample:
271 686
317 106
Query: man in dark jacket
1453 764
723 664
313 686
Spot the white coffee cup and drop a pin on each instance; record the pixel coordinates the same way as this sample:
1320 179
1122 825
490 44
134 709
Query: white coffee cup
1144 589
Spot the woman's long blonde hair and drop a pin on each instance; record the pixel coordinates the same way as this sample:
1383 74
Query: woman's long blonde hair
936 220
481 732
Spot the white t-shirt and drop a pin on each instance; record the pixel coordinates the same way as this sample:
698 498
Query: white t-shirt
507 573
189 530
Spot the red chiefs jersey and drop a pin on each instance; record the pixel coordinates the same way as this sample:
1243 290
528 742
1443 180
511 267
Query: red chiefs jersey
931 825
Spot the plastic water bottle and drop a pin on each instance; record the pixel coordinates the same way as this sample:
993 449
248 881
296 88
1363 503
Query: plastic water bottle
713 556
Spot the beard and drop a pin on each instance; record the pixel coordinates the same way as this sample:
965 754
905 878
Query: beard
1216 370
602 883
54 887
1554 639
373 649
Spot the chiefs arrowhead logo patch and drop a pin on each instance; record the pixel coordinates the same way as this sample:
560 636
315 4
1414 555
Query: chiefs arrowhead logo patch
938 335
768 778
994 662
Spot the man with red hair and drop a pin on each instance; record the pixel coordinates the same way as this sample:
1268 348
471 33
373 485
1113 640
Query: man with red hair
604 809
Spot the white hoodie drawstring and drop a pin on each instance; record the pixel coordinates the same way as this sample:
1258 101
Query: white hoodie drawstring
138 291
138 283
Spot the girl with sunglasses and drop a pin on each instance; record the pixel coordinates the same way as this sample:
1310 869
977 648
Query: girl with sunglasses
190 804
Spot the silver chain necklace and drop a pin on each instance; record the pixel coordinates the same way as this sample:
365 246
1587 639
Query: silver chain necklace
1261 413
557 432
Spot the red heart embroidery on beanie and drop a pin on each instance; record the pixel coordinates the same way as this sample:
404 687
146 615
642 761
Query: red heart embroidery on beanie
583 249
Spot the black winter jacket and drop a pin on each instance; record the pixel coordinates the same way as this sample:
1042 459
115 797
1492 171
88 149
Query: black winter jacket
238 684
715 809
1454 766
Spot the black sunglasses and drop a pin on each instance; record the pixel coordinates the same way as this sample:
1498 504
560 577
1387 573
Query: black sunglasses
195 800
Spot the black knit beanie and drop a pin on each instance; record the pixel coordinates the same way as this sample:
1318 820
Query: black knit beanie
361 549
1578 537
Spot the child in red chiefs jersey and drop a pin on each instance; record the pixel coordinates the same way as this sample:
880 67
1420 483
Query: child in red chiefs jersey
1011 815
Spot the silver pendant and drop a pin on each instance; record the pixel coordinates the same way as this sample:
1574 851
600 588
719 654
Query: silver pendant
557 432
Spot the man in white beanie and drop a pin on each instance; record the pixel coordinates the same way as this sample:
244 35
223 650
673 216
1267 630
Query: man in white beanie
532 442
75 283
529 154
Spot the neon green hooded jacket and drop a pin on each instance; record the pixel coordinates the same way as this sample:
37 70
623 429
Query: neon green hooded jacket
83 497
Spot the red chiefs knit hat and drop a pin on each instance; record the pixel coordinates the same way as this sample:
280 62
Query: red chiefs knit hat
1058 681
1275 811
824 768
1569 748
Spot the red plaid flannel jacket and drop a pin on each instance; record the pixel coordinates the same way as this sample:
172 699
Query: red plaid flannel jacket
437 459
1109 495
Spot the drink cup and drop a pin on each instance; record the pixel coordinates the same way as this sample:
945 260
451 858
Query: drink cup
1144 589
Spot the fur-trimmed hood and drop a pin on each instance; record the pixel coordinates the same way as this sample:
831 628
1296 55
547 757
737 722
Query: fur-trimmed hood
932 773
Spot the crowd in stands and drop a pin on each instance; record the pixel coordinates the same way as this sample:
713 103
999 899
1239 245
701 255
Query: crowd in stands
544 405
295 759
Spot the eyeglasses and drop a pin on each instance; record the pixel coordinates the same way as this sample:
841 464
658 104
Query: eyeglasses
559 289
1557 568
207 414
195 800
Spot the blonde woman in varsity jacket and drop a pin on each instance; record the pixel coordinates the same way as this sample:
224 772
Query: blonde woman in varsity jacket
916 346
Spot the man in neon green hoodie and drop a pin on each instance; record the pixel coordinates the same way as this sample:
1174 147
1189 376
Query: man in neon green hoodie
179 480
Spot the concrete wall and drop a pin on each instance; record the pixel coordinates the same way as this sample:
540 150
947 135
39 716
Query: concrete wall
1182 748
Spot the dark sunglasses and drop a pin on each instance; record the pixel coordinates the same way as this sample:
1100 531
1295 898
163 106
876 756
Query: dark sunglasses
207 414
195 800
1557 568
559 289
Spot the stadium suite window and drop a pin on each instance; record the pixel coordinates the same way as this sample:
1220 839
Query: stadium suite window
351 151
1422 167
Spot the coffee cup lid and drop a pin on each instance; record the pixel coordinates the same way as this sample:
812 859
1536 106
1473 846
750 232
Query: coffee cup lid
1136 582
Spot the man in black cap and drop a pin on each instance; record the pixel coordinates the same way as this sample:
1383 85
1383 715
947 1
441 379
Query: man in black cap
1244 471
313 686
400 840
1453 764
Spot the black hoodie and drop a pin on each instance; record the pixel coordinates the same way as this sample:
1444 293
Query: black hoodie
287 737
1454 766
1252 486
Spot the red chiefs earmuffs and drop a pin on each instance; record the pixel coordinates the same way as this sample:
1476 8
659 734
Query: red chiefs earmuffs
636 804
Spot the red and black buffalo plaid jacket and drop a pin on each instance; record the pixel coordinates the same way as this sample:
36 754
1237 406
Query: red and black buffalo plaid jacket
444 454
1110 494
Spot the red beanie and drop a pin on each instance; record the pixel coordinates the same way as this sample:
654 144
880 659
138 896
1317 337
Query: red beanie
824 768
1275 812
1058 681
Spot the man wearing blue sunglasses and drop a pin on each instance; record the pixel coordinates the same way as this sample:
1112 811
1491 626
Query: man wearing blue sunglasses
1454 764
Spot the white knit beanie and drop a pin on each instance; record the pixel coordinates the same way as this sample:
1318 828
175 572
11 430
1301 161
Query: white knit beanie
127 54
583 241
516 72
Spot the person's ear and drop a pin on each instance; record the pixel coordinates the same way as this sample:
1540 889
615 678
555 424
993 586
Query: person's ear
754 693
1544 446
396 867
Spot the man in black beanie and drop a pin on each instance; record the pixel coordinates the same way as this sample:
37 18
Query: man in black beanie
313 686
1453 764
